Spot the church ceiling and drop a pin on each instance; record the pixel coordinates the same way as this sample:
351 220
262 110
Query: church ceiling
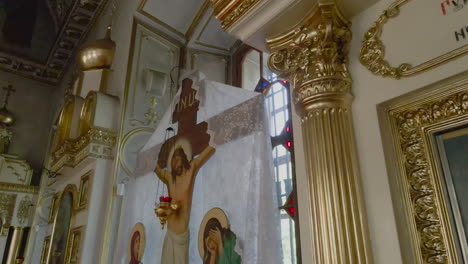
38 37
191 22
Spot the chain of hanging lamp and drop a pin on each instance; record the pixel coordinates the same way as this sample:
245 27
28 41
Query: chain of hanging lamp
163 204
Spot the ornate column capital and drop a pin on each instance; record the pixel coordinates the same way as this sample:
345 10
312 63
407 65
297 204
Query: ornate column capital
313 57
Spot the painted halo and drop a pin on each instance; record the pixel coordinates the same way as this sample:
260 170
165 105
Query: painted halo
139 227
217 213
184 143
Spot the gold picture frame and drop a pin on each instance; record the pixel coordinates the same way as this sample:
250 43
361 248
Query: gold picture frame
72 190
373 50
53 206
409 125
85 186
45 249
74 245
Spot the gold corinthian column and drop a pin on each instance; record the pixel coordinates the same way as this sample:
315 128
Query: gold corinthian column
313 57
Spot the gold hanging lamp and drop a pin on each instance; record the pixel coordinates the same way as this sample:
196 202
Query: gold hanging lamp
6 117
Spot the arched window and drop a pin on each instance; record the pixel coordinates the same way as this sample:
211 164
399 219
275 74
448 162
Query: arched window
251 72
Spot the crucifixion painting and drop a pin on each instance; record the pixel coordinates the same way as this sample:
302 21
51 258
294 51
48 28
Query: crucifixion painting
179 160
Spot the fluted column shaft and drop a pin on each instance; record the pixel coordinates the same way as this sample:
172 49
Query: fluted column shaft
313 57
332 170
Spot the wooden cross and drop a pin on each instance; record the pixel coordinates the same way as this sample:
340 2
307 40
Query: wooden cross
185 113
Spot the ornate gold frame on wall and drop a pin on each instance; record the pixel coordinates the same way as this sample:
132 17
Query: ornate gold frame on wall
45 249
73 232
53 205
408 125
71 188
373 50
84 196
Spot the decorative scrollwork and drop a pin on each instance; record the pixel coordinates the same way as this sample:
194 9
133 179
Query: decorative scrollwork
7 206
372 54
314 58
425 201
24 209
237 12
96 142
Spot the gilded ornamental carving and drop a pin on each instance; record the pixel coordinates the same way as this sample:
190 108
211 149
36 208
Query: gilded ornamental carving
24 209
418 172
314 56
97 142
7 206
372 54
19 188
230 11
411 126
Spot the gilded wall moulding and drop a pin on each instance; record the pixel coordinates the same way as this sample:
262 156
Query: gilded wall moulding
230 11
18 188
73 30
24 209
314 55
7 206
372 54
414 178
97 142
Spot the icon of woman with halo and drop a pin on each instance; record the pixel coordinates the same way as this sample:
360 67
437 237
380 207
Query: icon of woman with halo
216 241
137 244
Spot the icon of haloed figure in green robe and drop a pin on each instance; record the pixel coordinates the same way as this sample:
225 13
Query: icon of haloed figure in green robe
216 242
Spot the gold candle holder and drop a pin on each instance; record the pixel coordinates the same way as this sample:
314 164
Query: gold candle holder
165 209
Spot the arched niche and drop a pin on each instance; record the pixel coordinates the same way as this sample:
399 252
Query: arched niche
99 110
66 208
68 120
88 112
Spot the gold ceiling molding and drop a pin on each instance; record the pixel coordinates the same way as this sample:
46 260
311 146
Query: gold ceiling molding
199 42
197 19
190 31
372 54
77 24
141 10
192 28
230 11
408 124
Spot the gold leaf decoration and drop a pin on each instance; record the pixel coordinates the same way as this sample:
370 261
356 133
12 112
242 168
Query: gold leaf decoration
419 176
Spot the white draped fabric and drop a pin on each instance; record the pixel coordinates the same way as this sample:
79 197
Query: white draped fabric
238 178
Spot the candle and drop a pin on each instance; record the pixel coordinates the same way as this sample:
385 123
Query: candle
166 199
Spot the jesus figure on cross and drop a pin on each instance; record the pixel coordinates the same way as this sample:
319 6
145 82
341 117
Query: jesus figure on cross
180 181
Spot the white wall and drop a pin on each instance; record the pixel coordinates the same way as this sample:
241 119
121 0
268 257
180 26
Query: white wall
407 41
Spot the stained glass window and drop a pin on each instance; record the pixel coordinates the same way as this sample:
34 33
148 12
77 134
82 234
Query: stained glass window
253 65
